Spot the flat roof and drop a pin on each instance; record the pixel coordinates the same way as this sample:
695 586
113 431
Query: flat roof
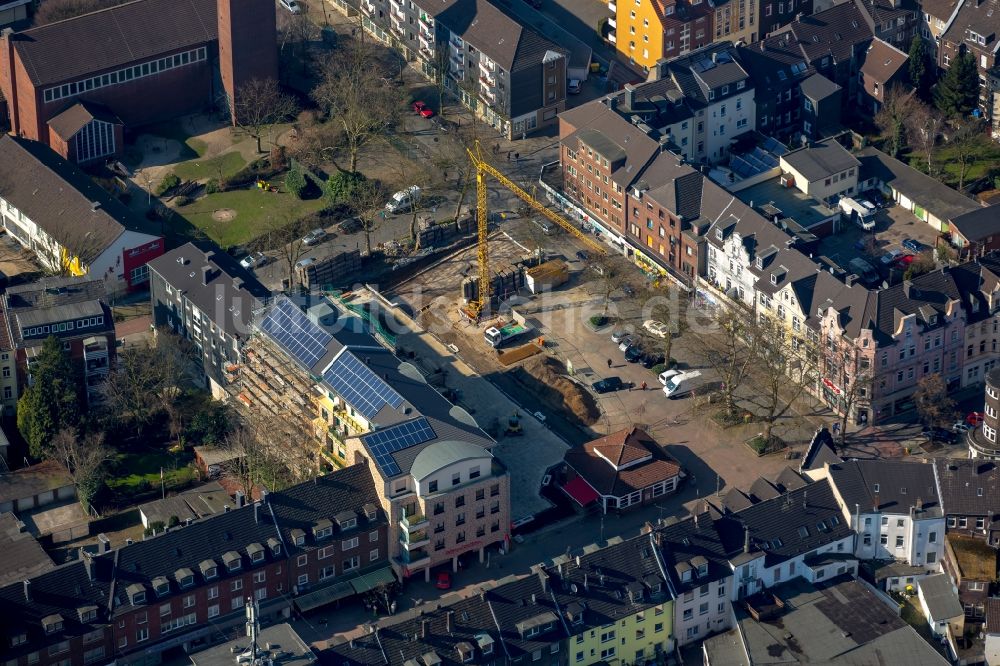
805 210
284 641
34 480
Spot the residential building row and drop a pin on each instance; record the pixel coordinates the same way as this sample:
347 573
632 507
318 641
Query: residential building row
79 84
308 546
506 72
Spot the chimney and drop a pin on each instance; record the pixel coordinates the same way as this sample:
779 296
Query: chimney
27 590
850 279
920 504
256 517
696 519
237 283
647 527
88 563
746 539
425 628
613 102
533 599
206 274
94 205
662 70
629 96
263 494
103 543
447 620
805 499
239 499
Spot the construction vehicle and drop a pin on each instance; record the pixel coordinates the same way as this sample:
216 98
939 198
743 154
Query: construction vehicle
546 276
496 336
514 426
481 301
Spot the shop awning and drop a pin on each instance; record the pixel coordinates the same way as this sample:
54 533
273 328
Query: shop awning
327 595
373 579
581 491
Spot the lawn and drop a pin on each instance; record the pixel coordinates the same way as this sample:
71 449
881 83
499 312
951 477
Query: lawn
138 472
254 209
987 157
227 164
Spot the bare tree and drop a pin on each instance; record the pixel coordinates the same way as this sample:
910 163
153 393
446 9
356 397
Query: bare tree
285 238
259 105
295 31
366 200
783 371
355 98
612 272
931 400
924 124
85 458
729 350
966 142
668 306
891 117
442 70
856 392
50 11
268 453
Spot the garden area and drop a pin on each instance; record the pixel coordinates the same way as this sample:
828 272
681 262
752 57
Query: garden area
135 473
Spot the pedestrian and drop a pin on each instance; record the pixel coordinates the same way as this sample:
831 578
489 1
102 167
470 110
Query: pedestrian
609 364
644 386
508 156
517 156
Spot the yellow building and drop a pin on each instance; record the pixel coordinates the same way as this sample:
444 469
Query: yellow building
634 639
647 30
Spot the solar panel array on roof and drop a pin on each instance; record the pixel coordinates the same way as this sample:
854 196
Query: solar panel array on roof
774 146
752 163
359 386
294 331
385 442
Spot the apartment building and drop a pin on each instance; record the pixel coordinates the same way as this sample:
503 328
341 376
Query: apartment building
73 310
206 297
972 29
648 30
972 566
188 586
506 72
73 226
824 170
345 398
970 494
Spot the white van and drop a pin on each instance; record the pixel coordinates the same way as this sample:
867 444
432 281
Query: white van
861 215
403 199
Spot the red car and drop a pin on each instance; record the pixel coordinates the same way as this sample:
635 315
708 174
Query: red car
443 581
904 260
423 109
974 418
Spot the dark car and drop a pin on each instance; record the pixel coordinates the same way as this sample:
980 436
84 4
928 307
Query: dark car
650 359
608 384
350 225
582 256
914 246
628 290
940 435
634 354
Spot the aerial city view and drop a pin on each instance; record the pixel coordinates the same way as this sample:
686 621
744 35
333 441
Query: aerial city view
495 332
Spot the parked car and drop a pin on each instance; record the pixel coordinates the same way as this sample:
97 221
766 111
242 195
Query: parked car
304 263
291 5
350 225
651 359
254 260
403 199
665 376
875 197
443 581
940 435
890 256
618 334
608 384
974 418
626 342
914 246
628 290
423 110
314 237
867 204
574 87
657 328
904 260
634 353
960 426
582 256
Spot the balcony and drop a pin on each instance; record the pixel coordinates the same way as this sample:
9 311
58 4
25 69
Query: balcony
489 94
612 23
612 7
413 540
396 28
97 366
416 521
457 62
980 447
414 558
612 38
426 20
369 8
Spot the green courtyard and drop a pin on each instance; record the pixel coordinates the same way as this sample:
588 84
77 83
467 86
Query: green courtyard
238 216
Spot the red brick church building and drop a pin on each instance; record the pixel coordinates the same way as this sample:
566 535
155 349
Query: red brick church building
78 85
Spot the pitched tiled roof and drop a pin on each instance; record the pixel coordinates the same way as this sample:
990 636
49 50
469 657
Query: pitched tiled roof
976 225
624 449
23 556
105 39
993 615
982 17
883 61
682 543
889 486
596 119
76 117
61 199
969 487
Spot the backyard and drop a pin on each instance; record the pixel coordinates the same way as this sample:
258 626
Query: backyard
985 159
138 472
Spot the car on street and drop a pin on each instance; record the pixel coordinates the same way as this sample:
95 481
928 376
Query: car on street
914 246
291 5
634 353
618 334
628 290
657 328
960 426
626 342
608 384
904 260
890 256
940 435
305 263
314 237
349 225
253 260
422 109
574 87
443 581
974 419
665 376
403 199
582 256
652 359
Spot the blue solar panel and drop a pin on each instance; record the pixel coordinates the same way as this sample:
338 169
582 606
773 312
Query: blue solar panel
293 330
384 443
359 386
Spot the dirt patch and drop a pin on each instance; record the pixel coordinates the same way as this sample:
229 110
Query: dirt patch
512 356
545 380
224 215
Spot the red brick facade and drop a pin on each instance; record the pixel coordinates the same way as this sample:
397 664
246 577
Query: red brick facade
247 44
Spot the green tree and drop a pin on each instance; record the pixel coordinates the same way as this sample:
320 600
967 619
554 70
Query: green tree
957 93
343 186
52 402
921 74
295 182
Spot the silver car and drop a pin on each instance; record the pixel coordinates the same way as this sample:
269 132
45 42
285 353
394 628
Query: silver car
313 237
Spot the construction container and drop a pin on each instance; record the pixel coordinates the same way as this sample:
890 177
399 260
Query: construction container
547 276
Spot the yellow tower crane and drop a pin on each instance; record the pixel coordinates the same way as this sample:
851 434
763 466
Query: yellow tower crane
484 169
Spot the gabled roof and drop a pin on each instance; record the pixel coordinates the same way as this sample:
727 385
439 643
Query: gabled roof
969 487
76 117
883 61
982 17
820 160
691 538
940 597
596 462
992 612
820 451
596 122
62 200
105 39
23 556
886 486
977 225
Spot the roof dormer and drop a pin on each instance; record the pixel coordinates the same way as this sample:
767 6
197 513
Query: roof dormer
298 536
275 546
485 643
208 569
184 577
232 560
323 528
52 623
87 614
346 520
161 586
256 552
136 594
